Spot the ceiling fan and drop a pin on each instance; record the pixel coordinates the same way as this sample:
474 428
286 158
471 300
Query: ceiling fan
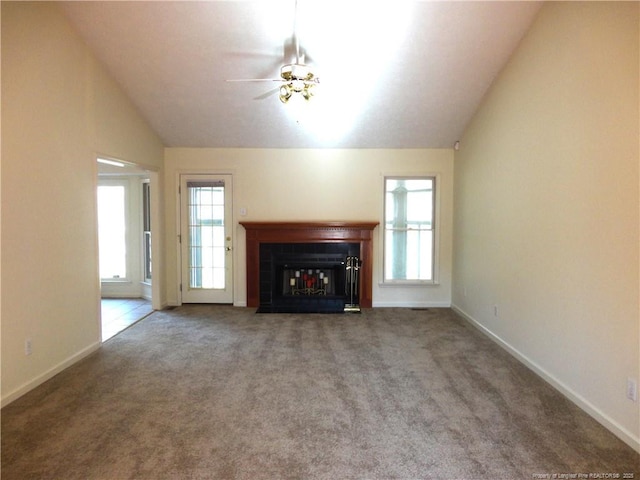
295 77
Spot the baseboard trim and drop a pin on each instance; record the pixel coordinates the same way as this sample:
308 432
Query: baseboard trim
405 304
614 427
40 379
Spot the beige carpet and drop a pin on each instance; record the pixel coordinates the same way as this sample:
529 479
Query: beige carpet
205 392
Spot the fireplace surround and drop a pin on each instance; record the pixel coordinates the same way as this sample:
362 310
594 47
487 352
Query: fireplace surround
277 250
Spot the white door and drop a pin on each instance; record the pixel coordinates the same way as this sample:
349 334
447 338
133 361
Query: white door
205 238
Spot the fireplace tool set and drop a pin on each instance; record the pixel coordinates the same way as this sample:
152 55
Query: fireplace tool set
352 273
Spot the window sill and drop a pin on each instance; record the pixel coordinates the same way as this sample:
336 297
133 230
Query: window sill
115 280
409 283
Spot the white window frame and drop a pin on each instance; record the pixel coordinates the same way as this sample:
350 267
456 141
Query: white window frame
146 217
436 231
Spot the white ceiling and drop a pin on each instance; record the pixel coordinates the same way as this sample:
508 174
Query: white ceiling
394 74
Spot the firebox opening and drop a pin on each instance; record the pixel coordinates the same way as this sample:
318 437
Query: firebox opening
306 278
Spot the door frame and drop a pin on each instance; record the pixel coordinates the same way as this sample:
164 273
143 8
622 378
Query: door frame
153 176
179 174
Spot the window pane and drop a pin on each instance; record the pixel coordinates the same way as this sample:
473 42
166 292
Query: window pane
146 207
206 196
146 230
408 249
206 235
217 197
112 231
147 256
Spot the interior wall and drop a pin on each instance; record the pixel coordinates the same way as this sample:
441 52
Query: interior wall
547 207
59 110
314 185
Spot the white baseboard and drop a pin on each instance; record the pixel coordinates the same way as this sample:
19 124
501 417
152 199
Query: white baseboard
406 304
240 303
40 379
614 427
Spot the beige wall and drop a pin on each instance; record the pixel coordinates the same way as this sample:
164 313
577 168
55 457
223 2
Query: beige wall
546 198
315 185
59 110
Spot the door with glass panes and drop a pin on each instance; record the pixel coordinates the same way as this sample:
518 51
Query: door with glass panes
205 239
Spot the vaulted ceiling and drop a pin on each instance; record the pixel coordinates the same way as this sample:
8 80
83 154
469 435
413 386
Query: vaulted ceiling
393 74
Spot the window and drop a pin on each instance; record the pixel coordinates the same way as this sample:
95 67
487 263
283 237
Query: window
146 231
112 232
207 245
409 237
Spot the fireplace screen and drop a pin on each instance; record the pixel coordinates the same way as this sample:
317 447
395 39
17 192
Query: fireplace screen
308 281
307 277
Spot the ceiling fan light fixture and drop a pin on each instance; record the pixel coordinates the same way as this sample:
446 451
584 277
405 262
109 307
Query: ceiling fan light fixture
307 92
299 79
285 93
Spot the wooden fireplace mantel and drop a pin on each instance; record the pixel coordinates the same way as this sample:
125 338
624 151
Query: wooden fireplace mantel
309 232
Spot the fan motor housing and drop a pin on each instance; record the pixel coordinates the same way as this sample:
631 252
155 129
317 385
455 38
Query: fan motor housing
296 71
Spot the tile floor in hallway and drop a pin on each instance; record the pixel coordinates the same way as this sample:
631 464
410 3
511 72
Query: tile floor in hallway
120 313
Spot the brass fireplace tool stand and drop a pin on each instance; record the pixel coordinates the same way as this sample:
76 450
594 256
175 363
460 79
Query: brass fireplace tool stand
352 274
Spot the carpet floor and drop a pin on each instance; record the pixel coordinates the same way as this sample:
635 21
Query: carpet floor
215 392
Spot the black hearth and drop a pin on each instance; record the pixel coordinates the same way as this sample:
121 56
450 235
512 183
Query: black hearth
308 277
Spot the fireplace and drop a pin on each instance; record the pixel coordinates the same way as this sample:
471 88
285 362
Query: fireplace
309 267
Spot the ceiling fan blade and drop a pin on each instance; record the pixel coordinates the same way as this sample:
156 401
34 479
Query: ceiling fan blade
267 94
254 80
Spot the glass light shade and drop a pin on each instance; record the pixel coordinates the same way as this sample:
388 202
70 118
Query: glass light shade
297 85
285 93
307 92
